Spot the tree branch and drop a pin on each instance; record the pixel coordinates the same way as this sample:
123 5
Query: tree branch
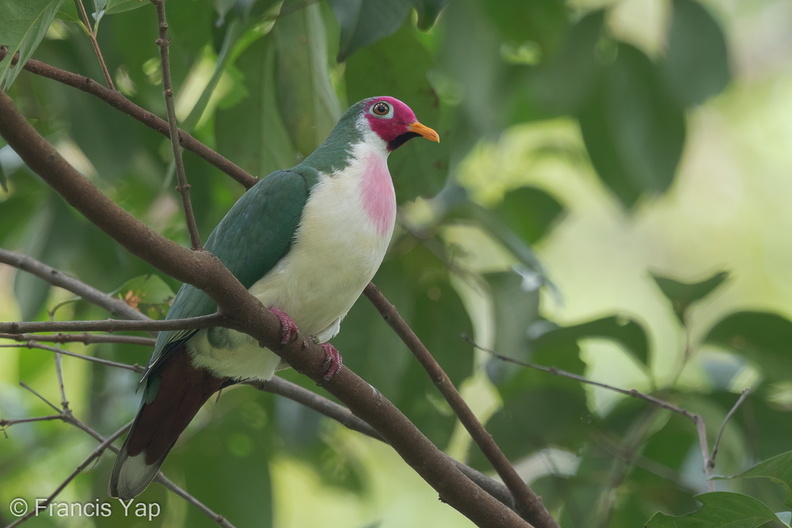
163 42
528 504
206 272
115 325
118 101
342 415
106 362
116 307
85 338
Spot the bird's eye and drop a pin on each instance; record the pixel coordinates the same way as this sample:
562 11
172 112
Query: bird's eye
381 108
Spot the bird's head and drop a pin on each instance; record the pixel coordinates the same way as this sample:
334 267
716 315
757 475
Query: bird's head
394 122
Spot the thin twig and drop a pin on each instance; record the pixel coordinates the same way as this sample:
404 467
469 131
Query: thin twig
697 420
149 119
39 396
5 423
32 344
527 503
59 374
85 338
716 445
42 504
95 44
116 307
203 508
115 325
163 42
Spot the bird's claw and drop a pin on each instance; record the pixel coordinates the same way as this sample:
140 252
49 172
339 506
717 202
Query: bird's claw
288 328
332 360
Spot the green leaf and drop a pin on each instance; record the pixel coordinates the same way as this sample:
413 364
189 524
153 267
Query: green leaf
566 78
542 23
121 6
529 211
762 337
778 469
428 11
683 294
628 332
22 28
364 22
251 132
696 65
398 66
516 307
308 103
3 178
720 509
533 418
633 129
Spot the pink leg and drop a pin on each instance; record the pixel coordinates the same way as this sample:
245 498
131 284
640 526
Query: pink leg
332 360
288 328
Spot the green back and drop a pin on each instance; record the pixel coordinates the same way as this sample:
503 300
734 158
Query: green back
255 234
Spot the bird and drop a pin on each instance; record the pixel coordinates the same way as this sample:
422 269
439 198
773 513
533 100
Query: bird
305 241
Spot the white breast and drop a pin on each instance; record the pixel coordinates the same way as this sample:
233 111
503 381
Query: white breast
342 238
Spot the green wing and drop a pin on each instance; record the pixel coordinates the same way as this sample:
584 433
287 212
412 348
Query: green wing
255 234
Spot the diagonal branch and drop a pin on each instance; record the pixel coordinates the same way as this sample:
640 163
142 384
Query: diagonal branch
341 414
527 502
151 120
206 272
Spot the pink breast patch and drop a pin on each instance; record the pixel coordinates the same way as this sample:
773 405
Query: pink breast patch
379 199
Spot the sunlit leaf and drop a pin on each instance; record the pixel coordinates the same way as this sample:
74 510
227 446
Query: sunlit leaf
683 294
22 27
721 509
633 129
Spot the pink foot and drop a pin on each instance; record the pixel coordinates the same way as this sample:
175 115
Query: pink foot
288 328
332 360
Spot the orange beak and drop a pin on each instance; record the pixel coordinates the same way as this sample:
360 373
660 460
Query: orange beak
424 131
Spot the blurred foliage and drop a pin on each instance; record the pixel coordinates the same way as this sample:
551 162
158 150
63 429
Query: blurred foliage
263 81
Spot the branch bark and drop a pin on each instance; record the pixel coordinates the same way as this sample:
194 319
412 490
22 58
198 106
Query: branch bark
119 102
206 272
527 502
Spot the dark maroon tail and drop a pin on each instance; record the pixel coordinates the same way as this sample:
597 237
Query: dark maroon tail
172 397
